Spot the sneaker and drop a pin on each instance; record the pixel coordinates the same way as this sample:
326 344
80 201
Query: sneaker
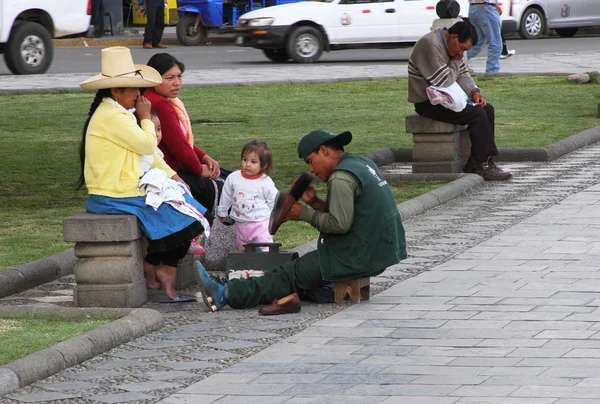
195 248
509 53
213 290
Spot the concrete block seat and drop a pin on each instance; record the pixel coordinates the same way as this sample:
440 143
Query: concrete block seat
109 270
439 147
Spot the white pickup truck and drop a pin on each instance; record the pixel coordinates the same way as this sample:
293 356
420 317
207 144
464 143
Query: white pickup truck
27 28
302 31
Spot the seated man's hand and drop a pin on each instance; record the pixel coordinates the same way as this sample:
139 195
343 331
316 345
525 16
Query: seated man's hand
294 212
221 219
479 99
213 167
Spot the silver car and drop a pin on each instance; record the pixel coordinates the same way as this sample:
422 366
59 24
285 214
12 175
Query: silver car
536 17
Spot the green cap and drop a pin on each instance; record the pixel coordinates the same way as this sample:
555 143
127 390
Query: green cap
316 138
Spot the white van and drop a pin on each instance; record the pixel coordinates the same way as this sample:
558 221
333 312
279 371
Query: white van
27 28
302 31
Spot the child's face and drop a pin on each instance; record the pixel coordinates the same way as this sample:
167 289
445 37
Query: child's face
157 128
251 165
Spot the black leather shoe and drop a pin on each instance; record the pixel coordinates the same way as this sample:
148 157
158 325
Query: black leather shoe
286 305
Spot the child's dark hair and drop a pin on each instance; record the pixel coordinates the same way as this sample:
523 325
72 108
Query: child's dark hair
139 121
264 153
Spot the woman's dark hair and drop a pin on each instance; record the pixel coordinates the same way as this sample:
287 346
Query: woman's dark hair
465 31
100 95
163 62
264 153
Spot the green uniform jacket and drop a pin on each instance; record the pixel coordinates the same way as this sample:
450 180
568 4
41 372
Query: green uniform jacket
376 238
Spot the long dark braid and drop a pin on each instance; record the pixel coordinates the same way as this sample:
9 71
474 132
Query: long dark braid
100 95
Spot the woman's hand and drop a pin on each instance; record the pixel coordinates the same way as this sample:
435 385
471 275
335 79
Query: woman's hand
214 171
143 107
179 179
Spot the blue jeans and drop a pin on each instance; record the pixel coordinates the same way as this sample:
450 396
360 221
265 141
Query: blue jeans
486 21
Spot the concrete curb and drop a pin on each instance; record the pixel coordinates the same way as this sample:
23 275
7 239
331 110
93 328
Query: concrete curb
36 273
548 153
44 363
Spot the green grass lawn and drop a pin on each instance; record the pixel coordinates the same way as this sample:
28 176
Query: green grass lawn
22 336
40 142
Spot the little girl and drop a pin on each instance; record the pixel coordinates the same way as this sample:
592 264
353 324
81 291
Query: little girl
250 193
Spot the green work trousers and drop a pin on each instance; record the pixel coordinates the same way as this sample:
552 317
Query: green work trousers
301 274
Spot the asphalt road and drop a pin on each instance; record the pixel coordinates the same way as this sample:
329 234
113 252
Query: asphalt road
83 60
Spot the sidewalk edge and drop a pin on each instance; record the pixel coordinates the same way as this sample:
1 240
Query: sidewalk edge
44 363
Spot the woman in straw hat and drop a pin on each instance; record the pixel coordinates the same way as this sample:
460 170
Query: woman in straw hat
193 164
111 151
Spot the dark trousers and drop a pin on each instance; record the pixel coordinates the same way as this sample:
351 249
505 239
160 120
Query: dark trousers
480 121
98 17
301 274
155 13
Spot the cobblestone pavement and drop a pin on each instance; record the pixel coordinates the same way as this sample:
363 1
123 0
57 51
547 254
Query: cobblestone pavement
563 62
504 310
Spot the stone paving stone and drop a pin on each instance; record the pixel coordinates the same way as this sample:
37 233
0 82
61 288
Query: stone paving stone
362 341
435 370
517 369
248 335
390 350
157 345
267 357
399 360
315 389
67 386
515 343
542 353
190 365
558 392
458 342
92 374
138 354
170 375
535 381
335 399
483 391
244 367
146 386
115 364
121 397
190 399
238 389
420 400
345 331
401 390
207 355
234 345
368 379
331 359
458 352
483 361
40 397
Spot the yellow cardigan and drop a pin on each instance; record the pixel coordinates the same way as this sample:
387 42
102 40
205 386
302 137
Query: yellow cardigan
113 150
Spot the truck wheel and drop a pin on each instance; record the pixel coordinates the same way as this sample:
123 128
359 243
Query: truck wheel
566 32
305 44
532 24
276 55
29 49
186 33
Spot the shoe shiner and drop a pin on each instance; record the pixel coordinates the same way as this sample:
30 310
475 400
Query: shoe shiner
361 233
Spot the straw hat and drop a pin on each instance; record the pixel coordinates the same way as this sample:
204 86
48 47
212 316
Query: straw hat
118 71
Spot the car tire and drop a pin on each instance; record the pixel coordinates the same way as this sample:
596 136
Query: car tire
276 55
185 30
566 32
533 24
29 49
305 44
